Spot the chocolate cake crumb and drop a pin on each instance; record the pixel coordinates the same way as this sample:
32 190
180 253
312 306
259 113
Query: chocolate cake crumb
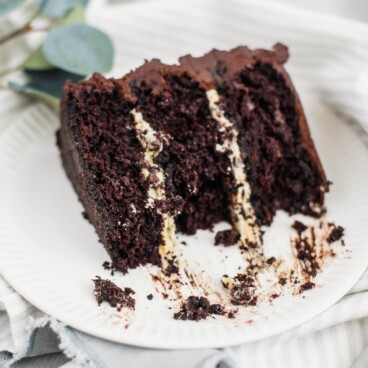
109 267
306 253
299 226
270 260
196 308
227 237
306 286
216 309
336 233
282 281
232 314
85 215
242 291
183 242
252 245
149 296
106 265
107 291
171 268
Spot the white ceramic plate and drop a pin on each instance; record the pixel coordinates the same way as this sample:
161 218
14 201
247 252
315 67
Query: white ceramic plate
49 253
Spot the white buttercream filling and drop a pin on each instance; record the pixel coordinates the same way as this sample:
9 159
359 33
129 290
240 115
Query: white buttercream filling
243 211
153 145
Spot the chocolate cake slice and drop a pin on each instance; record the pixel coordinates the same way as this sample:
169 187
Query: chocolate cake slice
221 137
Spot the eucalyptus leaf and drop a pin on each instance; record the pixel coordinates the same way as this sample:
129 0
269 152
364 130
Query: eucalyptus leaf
50 100
7 6
37 61
79 49
59 8
51 81
46 85
75 16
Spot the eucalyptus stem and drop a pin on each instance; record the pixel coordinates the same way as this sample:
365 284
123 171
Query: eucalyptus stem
15 34
19 32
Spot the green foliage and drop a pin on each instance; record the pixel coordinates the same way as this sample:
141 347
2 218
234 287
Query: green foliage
46 85
7 6
75 16
37 60
71 51
79 49
59 8
50 100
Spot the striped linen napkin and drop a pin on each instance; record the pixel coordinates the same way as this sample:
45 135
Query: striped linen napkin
329 57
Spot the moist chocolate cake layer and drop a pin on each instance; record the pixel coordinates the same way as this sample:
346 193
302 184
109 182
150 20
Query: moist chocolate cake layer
196 175
180 148
282 165
103 159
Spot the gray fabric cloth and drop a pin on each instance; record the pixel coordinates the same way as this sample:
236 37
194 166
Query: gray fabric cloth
42 361
47 338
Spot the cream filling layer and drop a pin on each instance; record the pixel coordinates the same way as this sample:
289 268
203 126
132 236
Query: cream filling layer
152 144
243 211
